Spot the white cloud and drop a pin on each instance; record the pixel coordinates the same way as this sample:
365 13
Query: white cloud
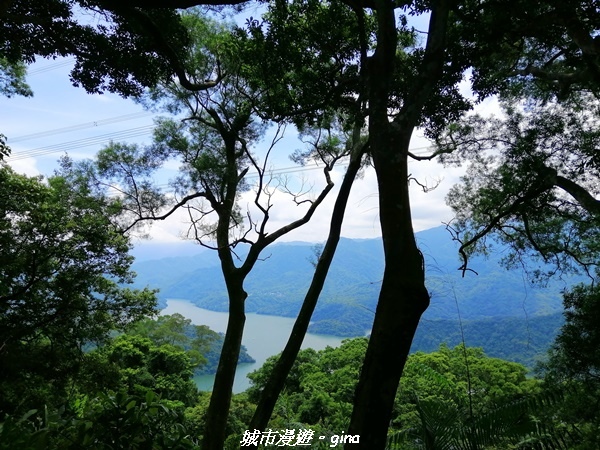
27 166
58 105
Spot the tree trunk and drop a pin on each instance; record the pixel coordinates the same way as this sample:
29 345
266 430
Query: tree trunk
402 300
403 297
283 366
220 400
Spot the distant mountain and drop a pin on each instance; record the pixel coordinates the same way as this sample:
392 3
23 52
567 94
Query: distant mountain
279 281
521 339
500 310
149 250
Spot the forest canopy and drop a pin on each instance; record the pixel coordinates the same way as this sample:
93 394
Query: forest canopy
357 78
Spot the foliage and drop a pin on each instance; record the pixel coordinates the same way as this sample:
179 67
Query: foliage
213 354
304 66
544 52
239 416
25 432
517 424
574 363
135 365
177 331
576 352
320 387
531 181
122 49
461 399
465 379
124 421
12 79
62 267
4 149
118 421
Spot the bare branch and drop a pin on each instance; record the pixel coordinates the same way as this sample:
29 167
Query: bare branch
435 154
194 226
425 187
174 208
262 186
456 237
302 191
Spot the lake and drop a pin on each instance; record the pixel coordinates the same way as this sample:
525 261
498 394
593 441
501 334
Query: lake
264 336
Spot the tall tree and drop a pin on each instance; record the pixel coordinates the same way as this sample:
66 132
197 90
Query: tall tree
277 377
378 64
214 144
403 85
62 263
574 364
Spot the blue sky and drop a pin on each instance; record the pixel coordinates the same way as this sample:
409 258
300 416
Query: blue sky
62 119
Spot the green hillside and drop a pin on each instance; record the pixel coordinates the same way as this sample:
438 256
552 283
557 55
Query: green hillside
494 303
279 281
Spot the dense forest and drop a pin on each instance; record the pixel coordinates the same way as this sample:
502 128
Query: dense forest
278 282
86 363
492 305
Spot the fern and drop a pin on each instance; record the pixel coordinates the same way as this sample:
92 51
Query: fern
519 424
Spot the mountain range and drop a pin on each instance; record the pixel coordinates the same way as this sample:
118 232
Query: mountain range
495 298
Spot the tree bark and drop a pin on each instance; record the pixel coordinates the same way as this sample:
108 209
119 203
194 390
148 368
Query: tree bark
402 300
220 400
403 297
283 366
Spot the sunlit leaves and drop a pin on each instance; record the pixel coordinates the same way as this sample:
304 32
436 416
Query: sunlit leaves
61 259
531 180
12 79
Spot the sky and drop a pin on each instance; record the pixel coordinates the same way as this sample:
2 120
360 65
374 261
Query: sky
62 119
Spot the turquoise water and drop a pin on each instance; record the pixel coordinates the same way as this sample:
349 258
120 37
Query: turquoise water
264 336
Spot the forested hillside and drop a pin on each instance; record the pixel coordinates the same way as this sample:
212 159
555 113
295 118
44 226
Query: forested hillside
506 92
525 340
279 282
490 303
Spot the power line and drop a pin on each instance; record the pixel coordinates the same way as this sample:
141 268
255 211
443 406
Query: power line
51 66
81 126
282 171
100 139
74 145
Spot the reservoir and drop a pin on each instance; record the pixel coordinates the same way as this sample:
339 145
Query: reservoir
264 336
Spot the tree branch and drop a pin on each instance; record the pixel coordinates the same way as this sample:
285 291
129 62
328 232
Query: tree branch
544 184
183 201
583 197
436 153
178 4
265 240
